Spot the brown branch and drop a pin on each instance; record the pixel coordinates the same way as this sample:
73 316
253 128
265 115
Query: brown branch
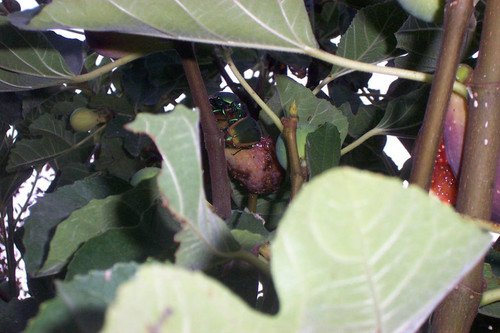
457 17
214 141
478 171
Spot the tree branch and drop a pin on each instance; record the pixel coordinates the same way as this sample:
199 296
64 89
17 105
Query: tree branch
214 141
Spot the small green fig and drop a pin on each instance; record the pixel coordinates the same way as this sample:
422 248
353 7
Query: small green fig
144 174
83 119
302 131
463 73
425 10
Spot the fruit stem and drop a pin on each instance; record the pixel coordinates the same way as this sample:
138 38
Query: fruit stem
458 87
106 68
356 143
290 136
252 202
259 264
490 296
214 141
250 91
456 22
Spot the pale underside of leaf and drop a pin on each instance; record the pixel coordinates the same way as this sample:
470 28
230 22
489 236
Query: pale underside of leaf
204 236
390 254
274 24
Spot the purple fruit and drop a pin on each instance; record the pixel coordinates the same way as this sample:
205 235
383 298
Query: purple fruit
454 131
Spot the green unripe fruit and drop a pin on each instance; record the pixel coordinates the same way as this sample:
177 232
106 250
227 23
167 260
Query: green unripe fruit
463 72
144 174
425 10
302 131
83 119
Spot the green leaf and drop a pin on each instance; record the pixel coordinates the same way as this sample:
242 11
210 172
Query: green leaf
364 119
311 109
80 304
277 25
53 208
355 246
150 238
190 300
28 60
15 314
322 149
404 114
370 37
204 236
422 41
30 53
355 252
55 141
98 216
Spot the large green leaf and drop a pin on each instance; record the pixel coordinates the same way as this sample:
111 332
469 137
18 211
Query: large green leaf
278 25
355 252
204 236
80 304
94 219
28 59
53 208
370 37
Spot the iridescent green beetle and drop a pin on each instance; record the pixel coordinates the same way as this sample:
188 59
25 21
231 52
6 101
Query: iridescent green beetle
240 130
227 108
243 134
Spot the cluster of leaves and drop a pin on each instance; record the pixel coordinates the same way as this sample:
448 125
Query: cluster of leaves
103 254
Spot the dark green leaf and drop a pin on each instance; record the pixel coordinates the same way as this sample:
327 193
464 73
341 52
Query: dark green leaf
322 149
55 141
94 219
80 304
422 41
404 114
153 237
370 38
53 208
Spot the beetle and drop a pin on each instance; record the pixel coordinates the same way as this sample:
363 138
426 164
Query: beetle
227 108
240 130
244 133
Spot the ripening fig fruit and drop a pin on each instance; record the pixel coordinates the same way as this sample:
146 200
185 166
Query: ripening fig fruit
256 168
302 130
444 184
454 133
83 119
425 10
117 45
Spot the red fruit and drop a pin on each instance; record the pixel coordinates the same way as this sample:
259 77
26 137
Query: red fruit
444 185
